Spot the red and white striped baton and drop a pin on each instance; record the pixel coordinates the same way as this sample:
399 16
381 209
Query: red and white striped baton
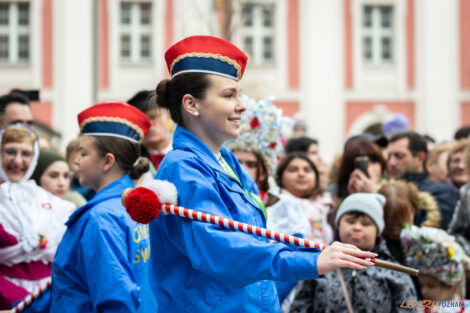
143 206
31 297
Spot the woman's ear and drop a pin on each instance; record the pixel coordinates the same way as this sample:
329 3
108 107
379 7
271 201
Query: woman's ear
191 105
109 161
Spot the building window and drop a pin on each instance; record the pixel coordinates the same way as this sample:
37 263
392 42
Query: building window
14 32
377 35
135 32
257 32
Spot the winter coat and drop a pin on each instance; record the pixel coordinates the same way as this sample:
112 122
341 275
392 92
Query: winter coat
102 263
199 267
444 194
374 289
460 225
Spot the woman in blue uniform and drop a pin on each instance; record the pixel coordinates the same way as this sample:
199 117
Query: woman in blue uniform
198 267
102 263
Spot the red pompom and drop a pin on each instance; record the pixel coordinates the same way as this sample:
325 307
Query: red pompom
254 123
142 205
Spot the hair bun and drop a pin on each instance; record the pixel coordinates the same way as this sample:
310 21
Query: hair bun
162 93
141 165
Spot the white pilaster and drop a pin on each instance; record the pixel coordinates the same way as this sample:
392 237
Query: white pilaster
73 62
437 67
321 68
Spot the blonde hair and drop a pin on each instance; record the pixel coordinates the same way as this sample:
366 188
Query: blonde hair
461 146
434 153
402 200
72 148
17 133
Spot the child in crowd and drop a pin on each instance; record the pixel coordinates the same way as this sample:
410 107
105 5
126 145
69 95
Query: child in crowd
403 201
441 262
304 206
53 174
359 222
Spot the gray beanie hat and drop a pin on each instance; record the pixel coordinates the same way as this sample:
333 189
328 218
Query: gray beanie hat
368 203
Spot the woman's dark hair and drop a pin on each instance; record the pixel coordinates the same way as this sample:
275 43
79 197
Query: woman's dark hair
286 161
347 166
299 144
125 153
169 92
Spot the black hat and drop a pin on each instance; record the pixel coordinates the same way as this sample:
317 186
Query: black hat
379 140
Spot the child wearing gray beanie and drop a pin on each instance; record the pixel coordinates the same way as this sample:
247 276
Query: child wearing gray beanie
370 204
370 290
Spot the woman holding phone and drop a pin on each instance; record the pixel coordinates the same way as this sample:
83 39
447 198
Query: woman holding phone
198 267
361 168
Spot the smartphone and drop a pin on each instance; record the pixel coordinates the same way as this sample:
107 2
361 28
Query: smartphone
362 163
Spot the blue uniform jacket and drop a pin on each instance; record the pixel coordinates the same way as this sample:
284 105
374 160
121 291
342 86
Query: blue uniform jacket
199 267
102 262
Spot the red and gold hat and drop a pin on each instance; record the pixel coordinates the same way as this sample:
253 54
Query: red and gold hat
114 119
206 54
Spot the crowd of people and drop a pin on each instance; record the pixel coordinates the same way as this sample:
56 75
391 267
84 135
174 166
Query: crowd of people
398 196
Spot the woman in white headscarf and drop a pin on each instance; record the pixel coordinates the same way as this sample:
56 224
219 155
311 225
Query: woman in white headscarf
31 219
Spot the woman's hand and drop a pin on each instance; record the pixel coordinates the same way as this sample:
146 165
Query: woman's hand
342 255
359 182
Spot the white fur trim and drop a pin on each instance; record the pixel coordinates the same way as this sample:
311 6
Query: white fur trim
165 191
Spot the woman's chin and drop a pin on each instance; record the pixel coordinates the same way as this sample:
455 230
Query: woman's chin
14 177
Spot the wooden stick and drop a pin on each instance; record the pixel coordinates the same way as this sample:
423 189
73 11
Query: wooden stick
396 267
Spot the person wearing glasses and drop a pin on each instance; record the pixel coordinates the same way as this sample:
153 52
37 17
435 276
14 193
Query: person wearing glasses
31 219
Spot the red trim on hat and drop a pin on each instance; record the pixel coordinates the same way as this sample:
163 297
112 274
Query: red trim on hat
122 111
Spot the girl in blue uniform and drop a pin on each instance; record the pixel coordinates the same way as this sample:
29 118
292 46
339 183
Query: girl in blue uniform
197 267
101 264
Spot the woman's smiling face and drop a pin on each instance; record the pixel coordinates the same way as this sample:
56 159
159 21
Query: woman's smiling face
16 159
221 110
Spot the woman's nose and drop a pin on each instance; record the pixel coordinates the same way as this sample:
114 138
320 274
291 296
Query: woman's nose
240 106
18 159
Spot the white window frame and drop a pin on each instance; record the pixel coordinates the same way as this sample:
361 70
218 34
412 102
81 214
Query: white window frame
14 30
257 31
379 78
376 32
135 30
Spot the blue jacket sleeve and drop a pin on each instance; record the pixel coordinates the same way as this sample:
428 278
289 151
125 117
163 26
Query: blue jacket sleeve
110 279
233 257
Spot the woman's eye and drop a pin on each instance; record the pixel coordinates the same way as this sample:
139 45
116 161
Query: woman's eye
228 96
